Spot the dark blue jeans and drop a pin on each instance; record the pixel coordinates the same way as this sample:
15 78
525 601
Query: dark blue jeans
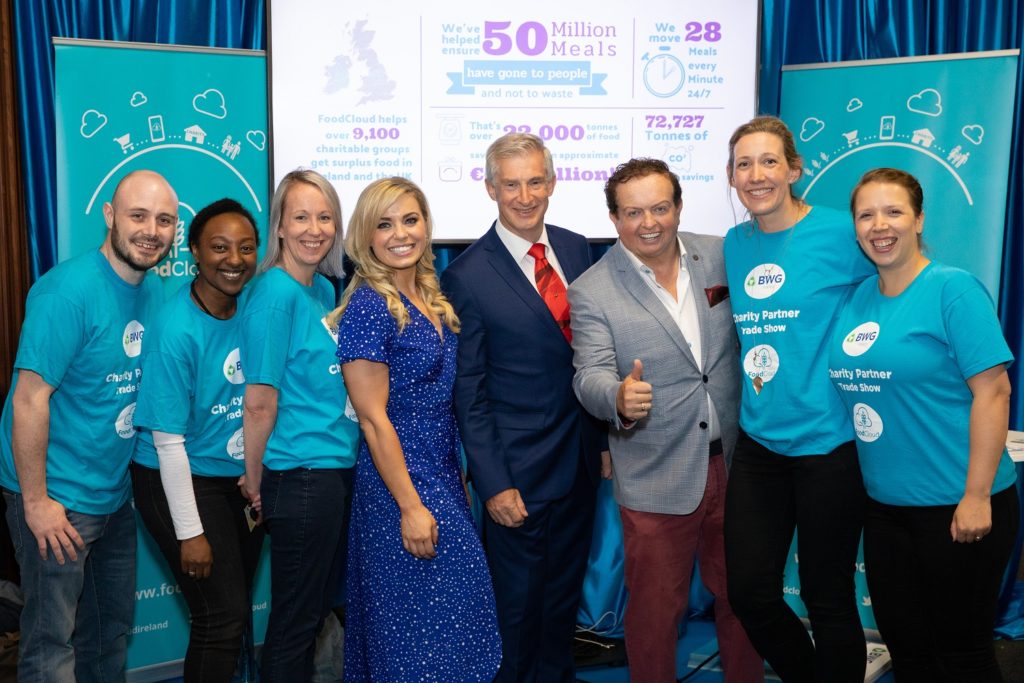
304 512
75 623
935 600
822 497
220 605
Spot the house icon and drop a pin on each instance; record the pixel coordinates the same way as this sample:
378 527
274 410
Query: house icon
923 137
195 134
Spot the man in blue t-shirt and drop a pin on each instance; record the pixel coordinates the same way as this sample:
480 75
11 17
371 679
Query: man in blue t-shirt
67 436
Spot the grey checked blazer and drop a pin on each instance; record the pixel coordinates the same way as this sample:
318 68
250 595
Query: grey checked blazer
660 463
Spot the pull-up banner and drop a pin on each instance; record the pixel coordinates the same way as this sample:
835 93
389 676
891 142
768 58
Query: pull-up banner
947 119
198 116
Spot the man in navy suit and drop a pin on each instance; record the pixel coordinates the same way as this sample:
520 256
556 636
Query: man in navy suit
533 452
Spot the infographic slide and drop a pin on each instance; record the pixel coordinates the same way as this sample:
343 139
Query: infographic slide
361 92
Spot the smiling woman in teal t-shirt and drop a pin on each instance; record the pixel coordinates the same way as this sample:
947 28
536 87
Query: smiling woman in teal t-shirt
188 454
919 360
790 267
300 441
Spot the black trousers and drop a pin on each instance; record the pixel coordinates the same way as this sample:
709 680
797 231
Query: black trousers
935 600
220 605
821 497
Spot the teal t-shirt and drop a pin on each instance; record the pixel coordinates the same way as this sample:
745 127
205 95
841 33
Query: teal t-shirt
786 289
83 334
287 344
193 384
901 366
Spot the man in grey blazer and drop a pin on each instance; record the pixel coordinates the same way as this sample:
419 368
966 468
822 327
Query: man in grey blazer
655 352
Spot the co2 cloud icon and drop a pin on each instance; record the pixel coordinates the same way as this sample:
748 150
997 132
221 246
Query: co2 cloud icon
974 133
810 128
257 138
854 104
927 102
138 99
211 103
92 122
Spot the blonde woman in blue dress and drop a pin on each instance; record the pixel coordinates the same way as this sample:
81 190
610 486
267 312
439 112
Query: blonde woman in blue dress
420 601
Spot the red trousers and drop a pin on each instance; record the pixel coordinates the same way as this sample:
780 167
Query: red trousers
659 554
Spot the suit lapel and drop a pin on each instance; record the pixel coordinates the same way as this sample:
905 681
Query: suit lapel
572 267
634 283
508 270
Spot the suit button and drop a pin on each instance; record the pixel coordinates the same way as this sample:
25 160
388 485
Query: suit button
705 378
703 425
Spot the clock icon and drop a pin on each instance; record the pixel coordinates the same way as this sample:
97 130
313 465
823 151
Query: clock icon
664 74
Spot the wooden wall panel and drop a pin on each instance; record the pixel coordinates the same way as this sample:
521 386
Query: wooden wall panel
14 271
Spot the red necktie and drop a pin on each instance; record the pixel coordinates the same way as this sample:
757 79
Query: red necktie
551 289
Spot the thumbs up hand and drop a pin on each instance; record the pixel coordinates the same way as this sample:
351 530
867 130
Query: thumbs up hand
633 400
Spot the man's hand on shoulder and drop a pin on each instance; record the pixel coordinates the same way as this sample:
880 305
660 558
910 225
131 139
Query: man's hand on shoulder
48 522
507 508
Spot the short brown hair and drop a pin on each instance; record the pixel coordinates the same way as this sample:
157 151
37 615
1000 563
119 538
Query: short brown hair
639 168
892 176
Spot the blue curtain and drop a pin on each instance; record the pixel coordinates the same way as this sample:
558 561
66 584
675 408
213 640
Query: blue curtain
207 23
799 32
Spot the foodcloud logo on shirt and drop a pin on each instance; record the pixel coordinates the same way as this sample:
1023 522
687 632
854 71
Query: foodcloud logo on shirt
764 280
867 424
132 339
233 368
860 338
761 362
236 445
125 423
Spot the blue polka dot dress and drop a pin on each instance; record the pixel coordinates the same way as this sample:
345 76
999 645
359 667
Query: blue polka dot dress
409 619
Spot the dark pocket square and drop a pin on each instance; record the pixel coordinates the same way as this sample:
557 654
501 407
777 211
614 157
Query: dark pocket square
716 294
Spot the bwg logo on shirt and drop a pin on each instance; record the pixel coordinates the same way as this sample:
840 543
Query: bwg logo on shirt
124 425
867 424
132 339
761 363
233 367
860 338
764 280
236 445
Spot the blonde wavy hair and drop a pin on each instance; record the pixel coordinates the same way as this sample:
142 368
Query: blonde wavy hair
375 199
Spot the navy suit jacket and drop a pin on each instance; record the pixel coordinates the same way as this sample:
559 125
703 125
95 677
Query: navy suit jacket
521 424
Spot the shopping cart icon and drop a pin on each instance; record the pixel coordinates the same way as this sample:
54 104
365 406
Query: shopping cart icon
125 141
